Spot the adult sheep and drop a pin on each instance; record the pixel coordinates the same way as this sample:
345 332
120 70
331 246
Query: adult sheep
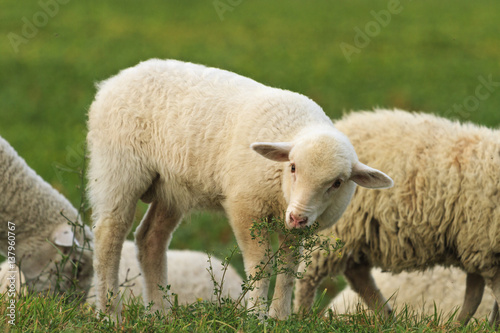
34 229
445 209
188 274
439 289
178 135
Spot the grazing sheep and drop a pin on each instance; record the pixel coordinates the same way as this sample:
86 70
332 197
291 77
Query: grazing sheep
420 291
33 233
187 272
445 209
178 135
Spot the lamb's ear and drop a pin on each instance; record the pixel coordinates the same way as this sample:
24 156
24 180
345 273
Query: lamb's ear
276 151
63 236
368 177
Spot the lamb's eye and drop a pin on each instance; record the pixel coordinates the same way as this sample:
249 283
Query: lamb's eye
292 168
337 183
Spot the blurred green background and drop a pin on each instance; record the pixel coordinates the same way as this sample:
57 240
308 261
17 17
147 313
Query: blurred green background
346 55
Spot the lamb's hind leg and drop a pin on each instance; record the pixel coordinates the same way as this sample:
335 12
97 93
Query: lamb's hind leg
110 233
152 237
473 295
362 282
113 192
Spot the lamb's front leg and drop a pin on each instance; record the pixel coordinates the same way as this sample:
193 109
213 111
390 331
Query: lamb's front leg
255 250
152 237
258 268
282 298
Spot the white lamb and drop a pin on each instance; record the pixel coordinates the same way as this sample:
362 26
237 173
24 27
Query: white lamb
445 209
188 276
178 135
34 234
441 287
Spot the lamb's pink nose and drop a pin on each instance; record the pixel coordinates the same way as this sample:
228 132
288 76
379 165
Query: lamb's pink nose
297 221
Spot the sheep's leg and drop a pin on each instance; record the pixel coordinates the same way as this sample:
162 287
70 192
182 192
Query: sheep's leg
152 237
495 286
495 315
255 255
110 232
305 288
116 180
258 267
282 298
362 282
473 296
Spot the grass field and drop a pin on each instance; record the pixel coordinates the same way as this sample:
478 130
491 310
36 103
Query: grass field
53 314
441 57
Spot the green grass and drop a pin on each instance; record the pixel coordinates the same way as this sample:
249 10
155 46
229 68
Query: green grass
48 314
428 58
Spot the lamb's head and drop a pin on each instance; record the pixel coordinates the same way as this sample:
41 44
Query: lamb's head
62 262
320 174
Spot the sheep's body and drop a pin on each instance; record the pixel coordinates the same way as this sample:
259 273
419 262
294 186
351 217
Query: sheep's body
443 288
32 224
445 209
188 276
178 135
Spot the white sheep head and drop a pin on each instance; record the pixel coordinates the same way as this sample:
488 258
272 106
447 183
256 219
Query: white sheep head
44 267
320 174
